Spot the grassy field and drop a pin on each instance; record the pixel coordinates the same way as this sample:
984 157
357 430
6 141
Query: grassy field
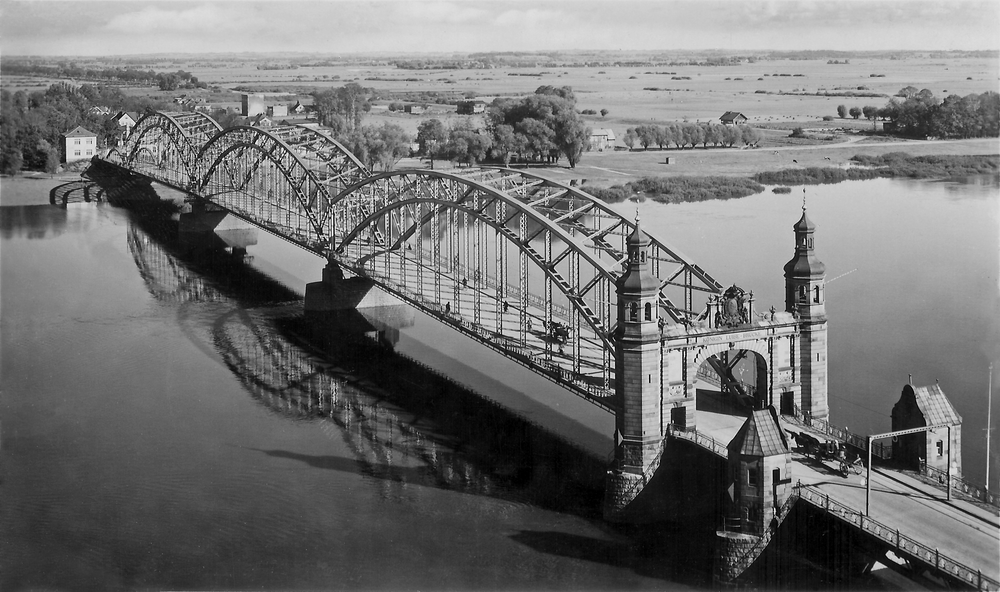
708 92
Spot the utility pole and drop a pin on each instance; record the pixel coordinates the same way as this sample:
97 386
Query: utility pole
989 428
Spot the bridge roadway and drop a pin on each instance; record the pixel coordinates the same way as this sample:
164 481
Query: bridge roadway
961 530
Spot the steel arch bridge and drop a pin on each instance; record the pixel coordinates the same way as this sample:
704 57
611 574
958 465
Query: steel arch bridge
524 264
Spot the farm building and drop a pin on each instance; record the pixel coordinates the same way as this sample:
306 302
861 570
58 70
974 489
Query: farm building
252 105
733 118
298 108
471 107
602 139
278 111
261 120
924 406
415 109
81 144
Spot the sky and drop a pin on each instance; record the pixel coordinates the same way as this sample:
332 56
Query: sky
124 27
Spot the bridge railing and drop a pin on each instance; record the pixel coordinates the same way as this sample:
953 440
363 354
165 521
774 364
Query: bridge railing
961 485
901 543
879 450
703 440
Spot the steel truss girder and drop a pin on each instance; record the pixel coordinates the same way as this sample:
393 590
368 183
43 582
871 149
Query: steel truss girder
569 207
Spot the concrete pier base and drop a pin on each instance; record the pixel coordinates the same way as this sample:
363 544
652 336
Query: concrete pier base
335 292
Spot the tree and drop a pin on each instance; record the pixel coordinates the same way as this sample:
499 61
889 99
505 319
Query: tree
604 112
506 143
544 125
52 161
842 111
870 112
907 92
630 138
342 109
750 135
855 112
466 144
647 135
432 137
10 161
571 136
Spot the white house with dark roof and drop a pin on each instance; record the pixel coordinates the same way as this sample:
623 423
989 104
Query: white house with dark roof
81 144
733 118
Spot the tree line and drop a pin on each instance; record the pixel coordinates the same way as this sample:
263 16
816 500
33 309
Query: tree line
541 127
685 134
69 70
33 123
918 113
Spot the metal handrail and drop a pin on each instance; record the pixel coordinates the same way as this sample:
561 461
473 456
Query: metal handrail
940 477
903 544
881 451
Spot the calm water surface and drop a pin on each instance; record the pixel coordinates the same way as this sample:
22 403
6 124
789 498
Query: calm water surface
167 420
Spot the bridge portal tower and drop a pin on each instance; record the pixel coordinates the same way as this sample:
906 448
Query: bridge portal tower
638 359
805 297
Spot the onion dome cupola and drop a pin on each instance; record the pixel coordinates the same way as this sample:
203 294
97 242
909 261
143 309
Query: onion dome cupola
638 289
805 274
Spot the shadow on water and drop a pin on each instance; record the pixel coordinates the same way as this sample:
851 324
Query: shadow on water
405 424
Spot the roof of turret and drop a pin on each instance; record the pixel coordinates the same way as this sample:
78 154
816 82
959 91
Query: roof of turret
804 224
638 237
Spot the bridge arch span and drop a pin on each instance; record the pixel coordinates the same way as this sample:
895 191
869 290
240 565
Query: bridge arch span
446 241
166 145
282 178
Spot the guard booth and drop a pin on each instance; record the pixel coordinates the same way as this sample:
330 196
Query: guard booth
760 462
923 406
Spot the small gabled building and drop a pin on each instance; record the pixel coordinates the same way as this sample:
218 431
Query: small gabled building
80 144
760 464
602 139
261 120
298 108
125 122
415 109
733 118
923 406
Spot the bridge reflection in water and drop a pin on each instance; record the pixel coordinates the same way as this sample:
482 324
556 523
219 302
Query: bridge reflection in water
397 416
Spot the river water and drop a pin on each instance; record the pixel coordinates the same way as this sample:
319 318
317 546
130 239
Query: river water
169 420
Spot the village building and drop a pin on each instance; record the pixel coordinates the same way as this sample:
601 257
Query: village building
602 139
733 118
278 111
252 105
471 107
415 109
80 144
298 108
924 406
125 122
261 120
99 110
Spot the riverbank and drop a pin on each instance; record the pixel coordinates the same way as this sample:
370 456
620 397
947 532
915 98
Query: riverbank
603 169
31 189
